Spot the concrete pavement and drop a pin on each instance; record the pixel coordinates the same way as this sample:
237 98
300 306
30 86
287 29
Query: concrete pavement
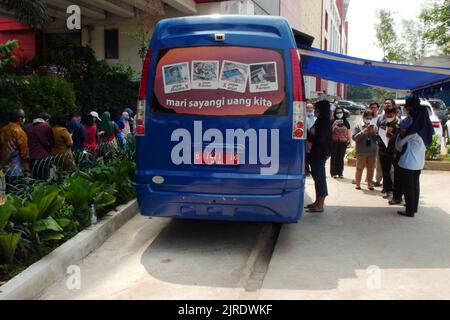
325 256
361 249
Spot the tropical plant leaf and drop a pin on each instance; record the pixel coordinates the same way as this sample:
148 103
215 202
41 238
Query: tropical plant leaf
8 244
6 211
103 200
46 224
29 213
50 235
63 222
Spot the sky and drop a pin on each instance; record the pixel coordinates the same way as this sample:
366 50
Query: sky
362 18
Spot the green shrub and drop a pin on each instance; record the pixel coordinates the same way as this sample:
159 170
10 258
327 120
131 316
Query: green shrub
98 86
434 151
35 93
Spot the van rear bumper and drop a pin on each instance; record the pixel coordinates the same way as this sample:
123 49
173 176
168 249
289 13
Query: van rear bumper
284 208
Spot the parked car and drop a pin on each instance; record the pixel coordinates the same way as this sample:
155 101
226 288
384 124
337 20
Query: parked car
435 121
351 106
440 109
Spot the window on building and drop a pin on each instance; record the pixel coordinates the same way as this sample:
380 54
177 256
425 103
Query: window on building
111 44
326 21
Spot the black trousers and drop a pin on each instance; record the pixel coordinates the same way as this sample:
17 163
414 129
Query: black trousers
411 188
337 158
398 183
387 162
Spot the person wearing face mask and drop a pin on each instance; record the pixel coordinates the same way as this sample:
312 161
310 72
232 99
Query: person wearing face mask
413 143
365 136
388 127
320 138
14 153
310 121
340 130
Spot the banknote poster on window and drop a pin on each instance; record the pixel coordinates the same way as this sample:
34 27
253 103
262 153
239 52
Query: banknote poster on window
176 77
205 74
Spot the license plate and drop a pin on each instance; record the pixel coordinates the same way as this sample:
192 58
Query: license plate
216 158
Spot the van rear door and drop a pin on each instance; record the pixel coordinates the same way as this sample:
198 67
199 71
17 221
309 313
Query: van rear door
220 122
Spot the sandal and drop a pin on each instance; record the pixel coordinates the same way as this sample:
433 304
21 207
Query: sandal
309 206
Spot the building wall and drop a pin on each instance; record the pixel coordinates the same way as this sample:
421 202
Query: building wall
26 37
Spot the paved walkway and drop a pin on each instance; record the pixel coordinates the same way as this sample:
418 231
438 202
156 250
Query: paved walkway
325 256
360 248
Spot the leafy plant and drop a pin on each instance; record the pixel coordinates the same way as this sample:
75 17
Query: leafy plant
38 211
433 152
8 240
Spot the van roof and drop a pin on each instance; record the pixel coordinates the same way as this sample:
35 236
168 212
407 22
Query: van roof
235 27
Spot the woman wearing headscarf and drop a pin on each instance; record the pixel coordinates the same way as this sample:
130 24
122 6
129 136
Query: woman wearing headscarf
413 144
340 132
109 128
320 139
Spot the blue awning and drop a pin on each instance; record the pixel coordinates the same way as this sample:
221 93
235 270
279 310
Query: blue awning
360 72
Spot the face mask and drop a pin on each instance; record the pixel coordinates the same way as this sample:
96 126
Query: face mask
339 115
310 114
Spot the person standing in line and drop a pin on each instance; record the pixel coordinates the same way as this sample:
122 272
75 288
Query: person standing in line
14 153
89 122
340 129
413 145
40 143
63 143
78 132
320 139
130 119
366 149
109 128
310 121
375 108
388 128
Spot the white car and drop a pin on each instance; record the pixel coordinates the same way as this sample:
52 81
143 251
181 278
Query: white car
437 126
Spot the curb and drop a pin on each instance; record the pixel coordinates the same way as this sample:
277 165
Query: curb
429 165
53 267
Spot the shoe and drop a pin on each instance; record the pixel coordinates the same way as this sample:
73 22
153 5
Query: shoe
335 177
315 209
382 190
403 213
371 188
377 184
341 177
309 206
358 188
394 202
387 195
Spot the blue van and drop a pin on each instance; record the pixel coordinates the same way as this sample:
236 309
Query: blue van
220 121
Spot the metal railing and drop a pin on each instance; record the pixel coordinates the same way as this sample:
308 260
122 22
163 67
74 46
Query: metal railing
59 166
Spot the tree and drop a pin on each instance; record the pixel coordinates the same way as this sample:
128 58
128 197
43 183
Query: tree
436 18
413 41
387 37
359 93
31 12
146 20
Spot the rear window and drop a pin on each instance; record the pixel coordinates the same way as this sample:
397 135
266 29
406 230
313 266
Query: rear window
220 81
430 112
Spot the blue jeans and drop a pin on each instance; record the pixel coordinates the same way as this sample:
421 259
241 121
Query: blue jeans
319 177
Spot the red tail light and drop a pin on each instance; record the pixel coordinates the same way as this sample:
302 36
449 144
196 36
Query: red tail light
142 95
435 124
298 120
